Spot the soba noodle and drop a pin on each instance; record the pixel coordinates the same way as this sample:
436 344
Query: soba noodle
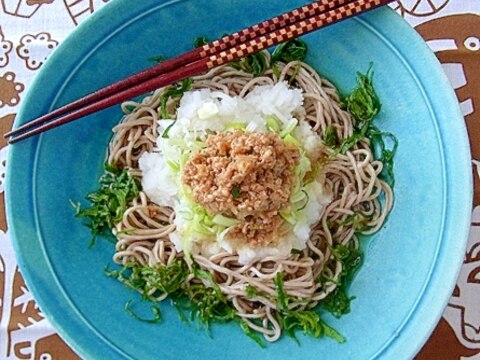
352 177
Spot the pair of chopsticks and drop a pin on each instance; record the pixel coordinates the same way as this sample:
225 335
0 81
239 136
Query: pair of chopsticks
253 39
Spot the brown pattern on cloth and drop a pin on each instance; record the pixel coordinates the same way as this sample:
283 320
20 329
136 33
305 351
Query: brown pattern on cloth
420 8
29 339
81 9
25 317
39 2
53 348
9 90
22 8
458 333
5 48
464 29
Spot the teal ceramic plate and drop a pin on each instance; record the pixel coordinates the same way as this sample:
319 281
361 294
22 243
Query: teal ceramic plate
411 264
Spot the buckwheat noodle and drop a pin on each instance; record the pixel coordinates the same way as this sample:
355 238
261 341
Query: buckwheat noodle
352 178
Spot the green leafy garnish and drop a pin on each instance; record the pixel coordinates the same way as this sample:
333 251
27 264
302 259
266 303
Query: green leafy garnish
209 303
282 297
357 221
296 70
378 144
255 64
351 141
157 59
363 102
236 192
173 92
108 204
200 41
330 137
152 282
338 302
251 291
157 315
251 334
300 319
292 50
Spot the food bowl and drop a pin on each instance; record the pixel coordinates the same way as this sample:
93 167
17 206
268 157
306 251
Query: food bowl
410 265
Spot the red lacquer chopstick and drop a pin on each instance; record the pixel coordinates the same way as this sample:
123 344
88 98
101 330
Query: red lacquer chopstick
168 65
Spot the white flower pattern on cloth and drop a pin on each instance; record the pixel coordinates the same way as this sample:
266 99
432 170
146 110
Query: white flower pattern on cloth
3 163
35 49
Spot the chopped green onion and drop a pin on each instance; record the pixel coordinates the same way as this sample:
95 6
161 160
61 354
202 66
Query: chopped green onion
225 221
235 126
289 139
288 216
273 123
291 125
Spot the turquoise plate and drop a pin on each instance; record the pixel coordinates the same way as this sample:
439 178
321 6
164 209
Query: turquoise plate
411 264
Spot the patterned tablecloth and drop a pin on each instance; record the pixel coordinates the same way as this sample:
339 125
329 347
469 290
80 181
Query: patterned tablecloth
31 29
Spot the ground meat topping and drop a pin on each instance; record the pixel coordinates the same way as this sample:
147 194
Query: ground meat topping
249 176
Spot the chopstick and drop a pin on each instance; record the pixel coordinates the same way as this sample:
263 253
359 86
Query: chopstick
271 32
212 48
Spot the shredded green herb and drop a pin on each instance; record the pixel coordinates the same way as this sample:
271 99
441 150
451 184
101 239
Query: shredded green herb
108 204
307 321
379 141
209 305
251 291
200 41
330 137
292 50
363 102
157 315
358 222
251 334
172 92
152 282
255 64
157 59
338 302
296 70
236 192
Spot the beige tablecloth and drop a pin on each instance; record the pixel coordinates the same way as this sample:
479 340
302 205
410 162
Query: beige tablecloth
31 29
